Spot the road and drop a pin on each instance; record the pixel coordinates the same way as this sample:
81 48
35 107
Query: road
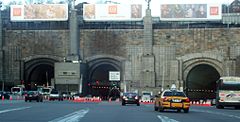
67 111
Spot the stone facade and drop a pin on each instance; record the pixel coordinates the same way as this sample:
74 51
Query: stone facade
175 51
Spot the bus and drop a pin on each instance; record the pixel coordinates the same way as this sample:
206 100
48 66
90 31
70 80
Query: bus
228 92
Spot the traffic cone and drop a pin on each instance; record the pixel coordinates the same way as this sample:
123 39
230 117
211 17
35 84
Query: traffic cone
10 98
2 98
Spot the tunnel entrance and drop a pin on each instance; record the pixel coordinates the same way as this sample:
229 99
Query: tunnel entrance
201 82
38 73
99 84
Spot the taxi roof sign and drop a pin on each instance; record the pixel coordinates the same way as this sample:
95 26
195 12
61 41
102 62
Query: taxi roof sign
173 87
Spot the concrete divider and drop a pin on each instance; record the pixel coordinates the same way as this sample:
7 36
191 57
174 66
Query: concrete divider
84 99
201 103
147 101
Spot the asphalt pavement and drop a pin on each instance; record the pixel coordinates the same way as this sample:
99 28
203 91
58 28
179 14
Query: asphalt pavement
67 111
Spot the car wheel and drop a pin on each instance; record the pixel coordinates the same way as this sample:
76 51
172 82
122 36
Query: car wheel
138 104
37 99
30 100
155 108
123 104
237 107
185 110
160 109
219 107
178 110
25 100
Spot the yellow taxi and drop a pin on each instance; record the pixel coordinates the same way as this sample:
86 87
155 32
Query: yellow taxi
172 99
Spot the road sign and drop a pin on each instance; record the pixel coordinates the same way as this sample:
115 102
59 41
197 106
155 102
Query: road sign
114 76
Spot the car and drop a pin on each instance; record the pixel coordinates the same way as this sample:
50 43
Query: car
55 95
5 94
66 95
130 98
34 95
172 99
76 96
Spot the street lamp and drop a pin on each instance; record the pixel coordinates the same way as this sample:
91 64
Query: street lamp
1 67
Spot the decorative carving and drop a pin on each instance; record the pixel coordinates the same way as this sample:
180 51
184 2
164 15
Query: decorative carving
148 2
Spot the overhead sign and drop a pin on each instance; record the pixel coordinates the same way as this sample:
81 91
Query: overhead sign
113 12
181 12
114 76
185 10
39 12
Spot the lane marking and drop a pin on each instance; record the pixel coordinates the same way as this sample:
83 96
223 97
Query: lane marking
73 117
15 109
166 119
217 113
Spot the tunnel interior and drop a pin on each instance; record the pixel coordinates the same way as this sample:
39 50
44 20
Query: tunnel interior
41 75
99 84
201 82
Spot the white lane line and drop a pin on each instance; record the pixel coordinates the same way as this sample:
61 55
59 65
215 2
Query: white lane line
15 109
166 119
217 113
73 117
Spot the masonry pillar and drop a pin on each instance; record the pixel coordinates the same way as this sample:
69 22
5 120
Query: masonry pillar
73 54
1 50
148 60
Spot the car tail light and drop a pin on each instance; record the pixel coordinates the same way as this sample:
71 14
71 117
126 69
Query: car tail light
222 95
124 97
165 99
136 97
187 100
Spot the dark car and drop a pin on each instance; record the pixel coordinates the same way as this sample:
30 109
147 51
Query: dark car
130 98
55 95
66 95
5 94
33 95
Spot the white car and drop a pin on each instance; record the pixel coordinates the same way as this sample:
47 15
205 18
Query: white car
55 95
145 98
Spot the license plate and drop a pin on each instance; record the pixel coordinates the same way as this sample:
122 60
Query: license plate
176 100
176 105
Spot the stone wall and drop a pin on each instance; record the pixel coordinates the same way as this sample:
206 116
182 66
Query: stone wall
169 44
22 44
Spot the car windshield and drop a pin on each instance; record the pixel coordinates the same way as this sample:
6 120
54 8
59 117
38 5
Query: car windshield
46 90
54 92
16 90
31 92
174 93
130 94
147 94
